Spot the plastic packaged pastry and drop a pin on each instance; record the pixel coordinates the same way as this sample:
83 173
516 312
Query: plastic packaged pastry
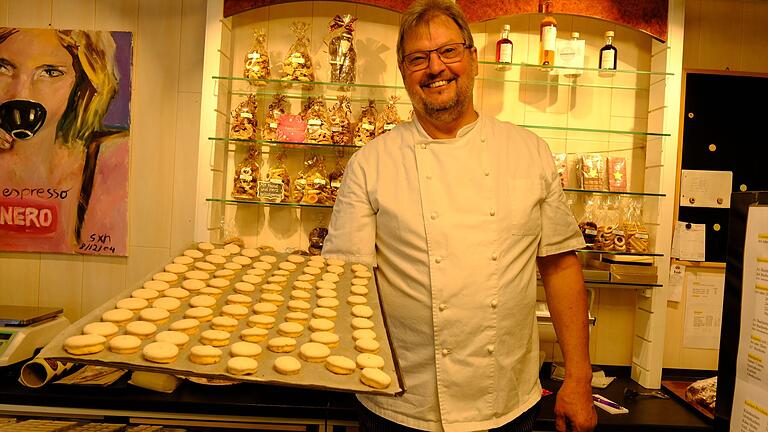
247 174
592 171
311 185
276 186
244 124
335 177
365 129
340 119
617 174
341 49
318 122
388 118
561 164
276 108
257 60
297 65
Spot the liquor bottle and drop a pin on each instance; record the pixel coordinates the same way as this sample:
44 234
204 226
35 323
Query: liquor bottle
504 47
608 53
571 53
548 34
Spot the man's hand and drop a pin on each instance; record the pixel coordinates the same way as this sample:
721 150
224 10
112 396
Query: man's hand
574 410
6 140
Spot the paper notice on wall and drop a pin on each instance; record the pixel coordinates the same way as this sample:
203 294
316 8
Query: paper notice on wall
675 283
750 400
689 241
703 309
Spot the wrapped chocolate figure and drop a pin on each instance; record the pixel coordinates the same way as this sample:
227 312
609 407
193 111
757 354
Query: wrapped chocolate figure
341 50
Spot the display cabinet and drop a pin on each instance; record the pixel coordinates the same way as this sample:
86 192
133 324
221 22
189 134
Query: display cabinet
629 113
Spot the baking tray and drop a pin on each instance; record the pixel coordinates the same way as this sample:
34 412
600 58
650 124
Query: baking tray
313 375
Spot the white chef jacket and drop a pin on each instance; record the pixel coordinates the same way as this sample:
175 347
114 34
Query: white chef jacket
454 227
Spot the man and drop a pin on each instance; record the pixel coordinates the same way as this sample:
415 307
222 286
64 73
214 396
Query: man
455 210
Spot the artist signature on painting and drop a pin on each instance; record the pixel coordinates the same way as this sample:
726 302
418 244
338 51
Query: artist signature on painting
97 243
39 192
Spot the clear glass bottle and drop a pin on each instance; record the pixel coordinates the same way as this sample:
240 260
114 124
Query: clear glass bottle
608 53
573 52
547 34
504 47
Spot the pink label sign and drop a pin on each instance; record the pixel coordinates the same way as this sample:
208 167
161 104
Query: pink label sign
31 217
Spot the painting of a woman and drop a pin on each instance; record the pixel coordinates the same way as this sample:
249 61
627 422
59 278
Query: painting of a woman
63 173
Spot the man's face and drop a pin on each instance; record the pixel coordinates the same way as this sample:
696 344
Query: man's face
441 92
34 66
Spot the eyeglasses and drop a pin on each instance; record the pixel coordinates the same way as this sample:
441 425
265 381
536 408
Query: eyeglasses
450 53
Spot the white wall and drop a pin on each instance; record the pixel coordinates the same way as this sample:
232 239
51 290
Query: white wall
165 107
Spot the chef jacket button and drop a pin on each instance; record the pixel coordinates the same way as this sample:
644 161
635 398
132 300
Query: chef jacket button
490 349
424 146
429 176
443 306
445 352
492 212
433 216
495 256
482 139
438 260
487 173
494 303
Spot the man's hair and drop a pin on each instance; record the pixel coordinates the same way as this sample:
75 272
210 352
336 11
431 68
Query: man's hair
93 59
421 11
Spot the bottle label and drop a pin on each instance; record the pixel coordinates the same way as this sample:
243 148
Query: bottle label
549 38
505 53
607 59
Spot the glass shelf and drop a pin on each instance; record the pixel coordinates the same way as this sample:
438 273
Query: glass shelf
606 131
602 192
584 69
267 203
289 85
623 284
284 144
650 254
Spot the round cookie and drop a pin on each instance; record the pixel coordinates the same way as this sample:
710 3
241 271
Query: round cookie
224 323
105 329
330 277
290 329
235 267
202 300
205 267
186 325
154 315
281 344
216 260
234 311
281 272
337 270
331 340
256 272
264 308
84 344
240 299
242 366
335 262
221 252
376 378
178 293
125 344
184 260
340 364
254 334
242 260
367 345
176 268
268 259
317 264
211 291
328 302
262 265
297 317
156 285
252 279
362 311
140 329
146 294
202 314
204 354
359 281
287 365
261 321
194 254
321 324
224 274
119 317
232 248
271 288
160 352
314 352
326 313
324 292
270 297
305 278
176 338
298 306
324 284
215 338
244 288
314 271
195 275
206 246
220 283
277 280
168 303
298 294
295 259
360 290
362 323
368 360
250 253
365 274
359 267
355 300
244 349
170 278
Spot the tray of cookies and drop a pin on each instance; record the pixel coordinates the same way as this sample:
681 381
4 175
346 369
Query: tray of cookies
222 312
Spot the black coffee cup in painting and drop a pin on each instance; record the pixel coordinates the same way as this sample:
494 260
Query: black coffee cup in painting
21 118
